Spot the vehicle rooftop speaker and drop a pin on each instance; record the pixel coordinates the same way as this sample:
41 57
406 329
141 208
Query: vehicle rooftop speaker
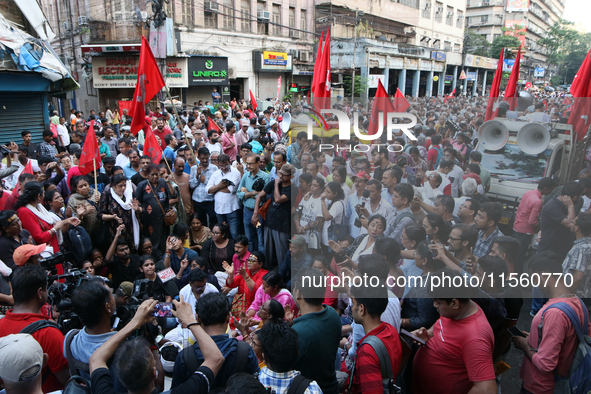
493 135
533 138
524 100
286 122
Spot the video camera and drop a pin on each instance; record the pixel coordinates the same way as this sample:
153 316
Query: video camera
56 259
60 294
142 290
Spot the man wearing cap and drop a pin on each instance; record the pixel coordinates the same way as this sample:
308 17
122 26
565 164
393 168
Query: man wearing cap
356 198
242 134
272 130
248 195
21 362
28 254
297 259
278 222
31 282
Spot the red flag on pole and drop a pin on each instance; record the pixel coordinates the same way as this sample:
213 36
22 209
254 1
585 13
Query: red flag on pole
494 90
317 64
28 168
511 91
91 157
401 104
212 125
528 85
582 74
451 95
381 106
322 85
253 101
152 147
149 83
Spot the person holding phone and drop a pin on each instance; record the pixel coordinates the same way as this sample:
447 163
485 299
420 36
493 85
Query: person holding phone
223 184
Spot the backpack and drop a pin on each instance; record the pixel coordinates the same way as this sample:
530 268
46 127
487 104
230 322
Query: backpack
76 384
34 327
579 379
337 231
242 350
78 242
439 157
385 365
299 385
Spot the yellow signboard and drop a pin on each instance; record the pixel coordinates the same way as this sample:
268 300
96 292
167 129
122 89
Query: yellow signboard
275 58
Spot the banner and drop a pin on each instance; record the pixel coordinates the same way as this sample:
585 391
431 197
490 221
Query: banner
517 5
373 80
508 64
520 29
278 88
539 72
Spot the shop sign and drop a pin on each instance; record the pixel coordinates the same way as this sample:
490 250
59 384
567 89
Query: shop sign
275 58
176 73
208 70
437 55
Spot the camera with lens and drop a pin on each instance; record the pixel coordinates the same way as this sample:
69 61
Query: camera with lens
60 294
142 290
5 151
54 260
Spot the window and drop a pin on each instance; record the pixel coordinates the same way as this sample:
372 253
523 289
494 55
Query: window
303 21
447 46
460 21
449 16
262 25
437 44
117 14
439 12
427 10
228 15
457 48
292 17
245 24
484 19
276 19
210 19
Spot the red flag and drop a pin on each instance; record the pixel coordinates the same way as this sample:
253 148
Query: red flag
253 101
152 147
511 91
567 101
322 87
583 73
401 104
317 63
127 104
451 95
28 168
528 85
149 83
494 90
212 125
91 157
580 110
381 105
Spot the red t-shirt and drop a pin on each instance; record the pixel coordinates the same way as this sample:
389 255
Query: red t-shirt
10 200
432 155
368 374
50 339
161 135
459 354
331 297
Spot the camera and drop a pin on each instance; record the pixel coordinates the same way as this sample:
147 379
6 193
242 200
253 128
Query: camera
5 151
142 290
56 259
60 294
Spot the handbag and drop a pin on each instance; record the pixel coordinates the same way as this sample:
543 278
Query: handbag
170 215
264 209
338 231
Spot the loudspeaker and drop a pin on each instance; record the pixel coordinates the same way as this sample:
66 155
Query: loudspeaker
524 100
533 138
286 122
493 135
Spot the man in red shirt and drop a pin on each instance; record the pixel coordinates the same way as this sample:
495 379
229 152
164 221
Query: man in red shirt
161 131
457 357
526 219
435 152
368 305
558 345
29 285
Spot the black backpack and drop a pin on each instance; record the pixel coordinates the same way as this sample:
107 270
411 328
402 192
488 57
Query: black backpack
36 326
78 242
242 350
385 365
76 384
299 385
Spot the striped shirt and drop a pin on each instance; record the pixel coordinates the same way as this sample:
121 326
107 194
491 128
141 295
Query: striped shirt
579 259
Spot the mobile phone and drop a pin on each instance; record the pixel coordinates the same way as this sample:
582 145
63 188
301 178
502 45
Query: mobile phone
516 332
412 336
163 309
410 170
229 182
434 253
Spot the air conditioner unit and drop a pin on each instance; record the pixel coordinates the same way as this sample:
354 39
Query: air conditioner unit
304 57
294 34
211 6
82 20
295 53
67 26
264 15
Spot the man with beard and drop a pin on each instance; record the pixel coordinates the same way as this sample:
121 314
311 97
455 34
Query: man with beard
182 180
214 142
123 265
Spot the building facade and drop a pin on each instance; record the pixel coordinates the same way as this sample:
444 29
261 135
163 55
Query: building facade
530 19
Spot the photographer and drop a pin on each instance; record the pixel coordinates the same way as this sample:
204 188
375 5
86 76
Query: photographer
29 285
136 367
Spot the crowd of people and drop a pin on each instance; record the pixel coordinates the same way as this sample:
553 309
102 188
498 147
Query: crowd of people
215 267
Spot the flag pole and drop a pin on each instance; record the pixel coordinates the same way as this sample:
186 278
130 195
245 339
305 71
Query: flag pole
95 182
178 119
